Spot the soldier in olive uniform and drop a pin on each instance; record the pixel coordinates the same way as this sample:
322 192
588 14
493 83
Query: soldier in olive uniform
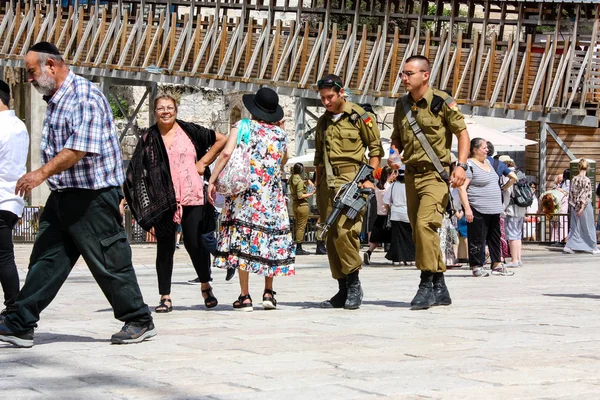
426 192
300 206
342 134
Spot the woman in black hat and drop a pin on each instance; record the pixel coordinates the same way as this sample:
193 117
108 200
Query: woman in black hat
254 234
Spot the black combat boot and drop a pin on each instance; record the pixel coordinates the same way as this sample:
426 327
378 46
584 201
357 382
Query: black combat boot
440 291
355 293
321 247
424 297
338 300
300 251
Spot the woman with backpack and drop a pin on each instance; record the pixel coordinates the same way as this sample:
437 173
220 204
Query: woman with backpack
514 215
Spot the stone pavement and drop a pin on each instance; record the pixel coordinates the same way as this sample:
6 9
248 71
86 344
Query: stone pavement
535 335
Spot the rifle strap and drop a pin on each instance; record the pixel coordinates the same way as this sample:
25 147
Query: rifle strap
414 125
329 176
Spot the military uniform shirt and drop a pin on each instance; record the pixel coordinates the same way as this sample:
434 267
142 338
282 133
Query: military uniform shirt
297 189
438 129
345 139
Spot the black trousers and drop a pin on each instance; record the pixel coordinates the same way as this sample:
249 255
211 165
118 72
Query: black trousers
9 277
485 228
192 225
80 223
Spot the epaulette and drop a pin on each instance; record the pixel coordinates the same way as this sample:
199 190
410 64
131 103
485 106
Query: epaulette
438 101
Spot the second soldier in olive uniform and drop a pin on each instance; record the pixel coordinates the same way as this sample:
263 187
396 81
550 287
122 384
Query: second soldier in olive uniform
426 192
300 195
342 134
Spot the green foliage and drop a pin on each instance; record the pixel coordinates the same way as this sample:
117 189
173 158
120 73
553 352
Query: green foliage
117 114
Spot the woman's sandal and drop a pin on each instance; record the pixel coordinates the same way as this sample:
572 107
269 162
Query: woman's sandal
269 303
210 301
239 304
163 307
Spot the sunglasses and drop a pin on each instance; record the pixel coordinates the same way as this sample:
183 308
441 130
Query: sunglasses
327 83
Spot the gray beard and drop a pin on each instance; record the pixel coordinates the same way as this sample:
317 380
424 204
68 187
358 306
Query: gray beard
45 85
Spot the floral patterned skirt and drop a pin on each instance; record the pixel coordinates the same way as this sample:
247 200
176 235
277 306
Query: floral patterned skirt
253 248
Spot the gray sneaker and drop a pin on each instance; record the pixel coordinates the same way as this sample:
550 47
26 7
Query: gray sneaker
501 270
133 334
517 264
24 339
480 271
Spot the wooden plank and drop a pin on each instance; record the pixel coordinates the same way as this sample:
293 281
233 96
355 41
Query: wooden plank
71 41
539 78
81 48
223 47
205 44
131 40
502 74
312 58
345 52
475 60
232 45
155 41
394 53
480 79
333 49
304 48
518 80
257 49
558 77
36 24
457 62
427 45
525 93
19 32
286 53
183 37
48 22
144 42
492 67
170 25
277 44
117 41
362 54
248 47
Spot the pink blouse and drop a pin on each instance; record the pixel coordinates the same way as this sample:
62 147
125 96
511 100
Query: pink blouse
187 182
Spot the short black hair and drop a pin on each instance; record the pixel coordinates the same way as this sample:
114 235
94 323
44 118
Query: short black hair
4 93
419 58
490 148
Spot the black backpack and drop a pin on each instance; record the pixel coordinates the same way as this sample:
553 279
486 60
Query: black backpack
522 193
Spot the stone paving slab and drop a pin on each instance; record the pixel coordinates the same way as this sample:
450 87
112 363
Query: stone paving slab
535 335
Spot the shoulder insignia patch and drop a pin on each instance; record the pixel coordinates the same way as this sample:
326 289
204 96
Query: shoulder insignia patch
354 117
367 118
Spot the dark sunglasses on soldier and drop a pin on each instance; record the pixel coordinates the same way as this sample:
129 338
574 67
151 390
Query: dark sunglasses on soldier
327 83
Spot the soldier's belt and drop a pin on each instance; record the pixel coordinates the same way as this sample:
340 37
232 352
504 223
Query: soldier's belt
345 169
422 168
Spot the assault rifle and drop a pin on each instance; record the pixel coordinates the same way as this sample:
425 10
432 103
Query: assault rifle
349 199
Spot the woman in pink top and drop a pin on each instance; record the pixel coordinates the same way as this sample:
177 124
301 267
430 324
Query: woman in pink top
190 149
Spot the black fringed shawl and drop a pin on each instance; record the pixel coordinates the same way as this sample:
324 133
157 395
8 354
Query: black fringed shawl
148 185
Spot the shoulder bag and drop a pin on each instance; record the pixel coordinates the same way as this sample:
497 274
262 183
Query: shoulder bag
235 178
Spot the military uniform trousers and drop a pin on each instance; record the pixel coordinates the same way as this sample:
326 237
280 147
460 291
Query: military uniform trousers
426 198
343 238
80 223
300 209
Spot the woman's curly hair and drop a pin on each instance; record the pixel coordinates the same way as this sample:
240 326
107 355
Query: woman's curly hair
549 205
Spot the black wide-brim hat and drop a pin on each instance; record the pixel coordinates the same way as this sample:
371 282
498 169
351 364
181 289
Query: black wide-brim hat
264 105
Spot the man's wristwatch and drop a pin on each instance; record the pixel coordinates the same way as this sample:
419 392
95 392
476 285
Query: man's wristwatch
464 166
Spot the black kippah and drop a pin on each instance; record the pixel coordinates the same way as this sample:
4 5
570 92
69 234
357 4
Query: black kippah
4 87
45 47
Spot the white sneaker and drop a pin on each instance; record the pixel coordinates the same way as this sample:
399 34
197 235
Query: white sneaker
596 252
568 250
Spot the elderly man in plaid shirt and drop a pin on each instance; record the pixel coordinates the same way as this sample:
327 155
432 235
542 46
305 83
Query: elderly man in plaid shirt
83 167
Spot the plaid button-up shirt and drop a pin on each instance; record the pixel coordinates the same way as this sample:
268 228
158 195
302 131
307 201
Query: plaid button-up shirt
79 118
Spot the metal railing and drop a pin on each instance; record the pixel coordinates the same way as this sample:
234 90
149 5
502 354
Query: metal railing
536 228
543 229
